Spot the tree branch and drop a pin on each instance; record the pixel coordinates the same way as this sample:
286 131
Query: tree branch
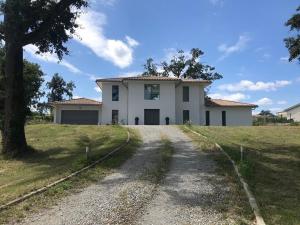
56 11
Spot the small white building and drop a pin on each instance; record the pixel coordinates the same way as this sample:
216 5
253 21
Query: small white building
152 100
292 112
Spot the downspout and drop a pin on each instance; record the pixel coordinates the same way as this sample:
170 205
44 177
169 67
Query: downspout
126 100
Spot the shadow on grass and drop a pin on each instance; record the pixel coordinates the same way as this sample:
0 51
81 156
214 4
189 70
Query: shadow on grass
273 173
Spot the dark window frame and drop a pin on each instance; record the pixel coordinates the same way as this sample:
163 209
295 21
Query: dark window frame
207 118
152 95
115 116
223 118
185 93
115 93
184 120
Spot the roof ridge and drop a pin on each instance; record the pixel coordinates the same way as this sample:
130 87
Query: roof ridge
228 100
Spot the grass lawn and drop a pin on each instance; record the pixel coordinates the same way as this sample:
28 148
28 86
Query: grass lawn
271 166
58 150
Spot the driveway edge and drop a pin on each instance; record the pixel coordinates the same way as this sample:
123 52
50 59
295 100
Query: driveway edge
250 196
44 188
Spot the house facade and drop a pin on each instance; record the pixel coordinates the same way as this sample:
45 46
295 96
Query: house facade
292 112
153 101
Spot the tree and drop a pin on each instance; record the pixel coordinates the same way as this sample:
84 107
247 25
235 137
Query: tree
183 66
293 43
58 88
266 113
47 24
33 80
150 68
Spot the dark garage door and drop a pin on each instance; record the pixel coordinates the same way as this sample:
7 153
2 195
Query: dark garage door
79 117
151 116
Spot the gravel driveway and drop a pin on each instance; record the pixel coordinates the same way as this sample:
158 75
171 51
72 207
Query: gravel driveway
189 194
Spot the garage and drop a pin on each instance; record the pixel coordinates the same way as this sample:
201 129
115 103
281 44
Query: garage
151 116
89 117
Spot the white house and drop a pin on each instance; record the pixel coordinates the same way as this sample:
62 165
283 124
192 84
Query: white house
153 100
292 112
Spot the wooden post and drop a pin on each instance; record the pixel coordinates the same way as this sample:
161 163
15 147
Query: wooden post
242 152
87 152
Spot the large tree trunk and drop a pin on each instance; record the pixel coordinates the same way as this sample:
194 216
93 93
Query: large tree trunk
14 141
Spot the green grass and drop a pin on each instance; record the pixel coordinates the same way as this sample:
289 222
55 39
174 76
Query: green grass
156 174
271 166
59 150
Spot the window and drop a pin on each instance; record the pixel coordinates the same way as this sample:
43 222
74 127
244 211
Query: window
115 116
207 118
223 118
115 92
185 94
186 116
151 91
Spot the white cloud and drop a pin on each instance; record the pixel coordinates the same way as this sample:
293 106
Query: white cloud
231 97
76 96
106 2
264 102
217 2
132 42
97 89
90 33
52 58
284 59
130 74
281 102
247 85
275 110
237 47
93 77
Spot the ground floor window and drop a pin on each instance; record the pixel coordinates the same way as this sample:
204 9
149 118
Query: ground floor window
186 116
207 118
115 116
223 118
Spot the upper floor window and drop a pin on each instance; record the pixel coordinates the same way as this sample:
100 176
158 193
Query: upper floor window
115 92
185 94
151 91
223 118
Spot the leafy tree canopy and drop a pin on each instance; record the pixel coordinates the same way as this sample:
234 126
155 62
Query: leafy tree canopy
266 113
59 88
48 24
293 43
32 82
183 66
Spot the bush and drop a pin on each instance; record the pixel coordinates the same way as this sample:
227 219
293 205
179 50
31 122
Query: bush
39 119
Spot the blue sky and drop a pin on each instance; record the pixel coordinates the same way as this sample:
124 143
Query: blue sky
242 39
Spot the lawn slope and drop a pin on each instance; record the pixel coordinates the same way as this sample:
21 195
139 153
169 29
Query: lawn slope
271 166
58 150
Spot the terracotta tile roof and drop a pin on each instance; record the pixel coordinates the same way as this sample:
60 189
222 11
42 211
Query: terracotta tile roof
155 78
221 102
77 101
292 107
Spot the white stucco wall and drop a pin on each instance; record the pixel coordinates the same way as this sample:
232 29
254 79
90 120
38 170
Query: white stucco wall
235 116
58 108
294 114
195 104
108 105
137 103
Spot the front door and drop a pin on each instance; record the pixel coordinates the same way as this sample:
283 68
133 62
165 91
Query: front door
151 116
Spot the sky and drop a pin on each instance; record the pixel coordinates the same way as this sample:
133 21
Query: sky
243 40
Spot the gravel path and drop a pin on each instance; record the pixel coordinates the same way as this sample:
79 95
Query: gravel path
190 193
114 200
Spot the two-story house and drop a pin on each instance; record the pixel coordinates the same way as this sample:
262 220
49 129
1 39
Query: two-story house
150 100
